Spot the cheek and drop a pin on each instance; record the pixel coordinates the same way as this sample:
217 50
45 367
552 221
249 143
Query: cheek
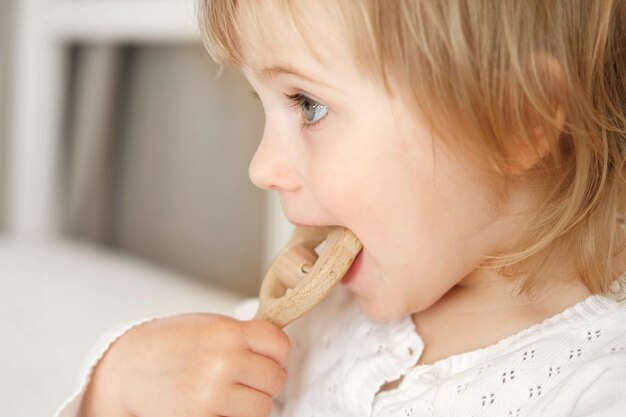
414 215
419 244
385 193
338 182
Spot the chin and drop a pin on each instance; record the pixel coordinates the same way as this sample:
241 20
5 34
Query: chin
380 311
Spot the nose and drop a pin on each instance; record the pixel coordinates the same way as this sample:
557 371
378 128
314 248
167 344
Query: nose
272 167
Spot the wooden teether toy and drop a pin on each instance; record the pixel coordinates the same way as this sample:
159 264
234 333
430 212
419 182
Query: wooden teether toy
298 279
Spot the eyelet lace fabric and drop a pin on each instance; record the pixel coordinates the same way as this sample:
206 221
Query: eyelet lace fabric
572 364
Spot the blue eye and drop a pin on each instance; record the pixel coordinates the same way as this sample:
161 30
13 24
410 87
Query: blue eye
312 111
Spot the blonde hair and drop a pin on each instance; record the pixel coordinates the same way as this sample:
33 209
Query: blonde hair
489 66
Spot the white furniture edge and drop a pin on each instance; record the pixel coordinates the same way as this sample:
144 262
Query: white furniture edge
123 20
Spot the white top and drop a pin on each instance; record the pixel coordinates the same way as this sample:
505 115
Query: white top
572 364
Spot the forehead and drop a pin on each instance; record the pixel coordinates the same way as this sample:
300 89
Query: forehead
292 35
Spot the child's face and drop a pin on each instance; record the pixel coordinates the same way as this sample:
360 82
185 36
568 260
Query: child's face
424 217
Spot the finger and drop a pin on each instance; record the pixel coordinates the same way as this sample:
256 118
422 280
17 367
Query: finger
265 338
242 401
261 373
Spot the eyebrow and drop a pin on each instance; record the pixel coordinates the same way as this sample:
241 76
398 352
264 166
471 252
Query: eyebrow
277 70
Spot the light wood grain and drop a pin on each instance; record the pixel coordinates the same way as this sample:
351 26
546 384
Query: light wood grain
290 288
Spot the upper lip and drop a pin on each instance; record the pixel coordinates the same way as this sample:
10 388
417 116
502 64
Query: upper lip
298 224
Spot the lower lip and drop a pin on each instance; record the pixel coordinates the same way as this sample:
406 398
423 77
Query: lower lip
353 270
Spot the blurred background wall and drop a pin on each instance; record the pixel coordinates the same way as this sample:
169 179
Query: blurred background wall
6 36
154 158
157 158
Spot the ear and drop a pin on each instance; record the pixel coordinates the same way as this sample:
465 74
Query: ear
542 140
541 144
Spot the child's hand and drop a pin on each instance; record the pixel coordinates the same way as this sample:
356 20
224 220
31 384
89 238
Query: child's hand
191 365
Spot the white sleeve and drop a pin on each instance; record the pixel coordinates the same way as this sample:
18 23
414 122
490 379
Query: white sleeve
597 389
605 397
71 406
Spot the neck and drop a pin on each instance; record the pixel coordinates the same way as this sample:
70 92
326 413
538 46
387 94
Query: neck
484 309
486 291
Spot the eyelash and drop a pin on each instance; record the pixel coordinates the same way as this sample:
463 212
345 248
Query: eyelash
298 100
